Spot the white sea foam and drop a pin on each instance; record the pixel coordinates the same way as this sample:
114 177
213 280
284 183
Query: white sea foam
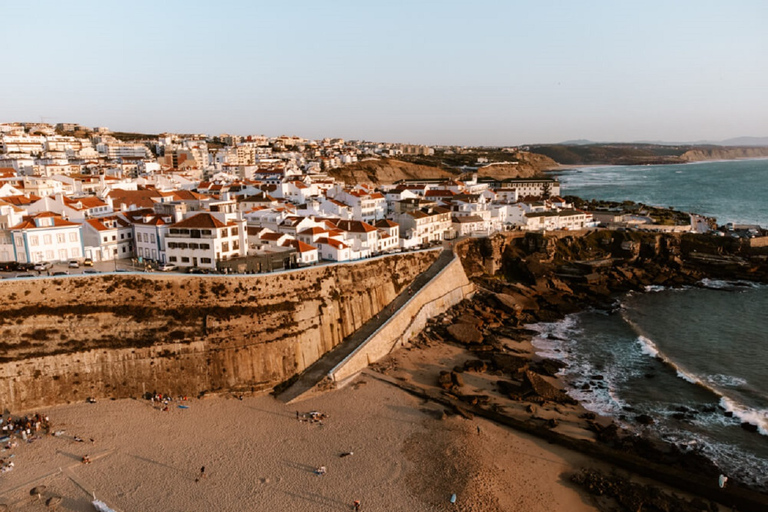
647 346
720 284
758 417
722 380
651 288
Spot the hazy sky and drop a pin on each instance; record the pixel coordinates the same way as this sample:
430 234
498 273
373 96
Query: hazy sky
432 72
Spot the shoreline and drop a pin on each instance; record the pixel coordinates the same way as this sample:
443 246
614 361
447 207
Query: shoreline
547 298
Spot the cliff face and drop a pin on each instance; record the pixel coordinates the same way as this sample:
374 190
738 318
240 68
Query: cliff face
721 153
120 336
386 171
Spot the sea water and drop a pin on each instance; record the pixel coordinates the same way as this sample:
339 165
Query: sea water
694 359
731 191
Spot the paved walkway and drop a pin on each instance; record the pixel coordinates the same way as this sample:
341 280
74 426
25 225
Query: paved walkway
311 376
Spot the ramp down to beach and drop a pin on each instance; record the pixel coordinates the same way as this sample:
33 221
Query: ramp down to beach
441 286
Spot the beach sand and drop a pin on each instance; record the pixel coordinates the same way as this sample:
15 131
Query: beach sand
257 456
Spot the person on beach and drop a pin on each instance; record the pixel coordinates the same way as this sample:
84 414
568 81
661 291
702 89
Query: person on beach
356 504
202 474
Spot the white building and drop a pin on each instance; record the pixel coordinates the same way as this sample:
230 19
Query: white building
202 239
46 237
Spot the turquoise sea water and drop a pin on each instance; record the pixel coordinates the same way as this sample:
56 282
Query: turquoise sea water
731 191
694 359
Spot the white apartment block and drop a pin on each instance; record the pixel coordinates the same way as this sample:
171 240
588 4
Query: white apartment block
202 239
46 237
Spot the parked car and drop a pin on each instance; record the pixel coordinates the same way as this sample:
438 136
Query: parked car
25 275
87 262
43 265
61 273
74 264
166 267
25 266
8 266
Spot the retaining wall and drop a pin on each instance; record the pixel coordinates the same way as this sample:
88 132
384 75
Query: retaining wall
444 291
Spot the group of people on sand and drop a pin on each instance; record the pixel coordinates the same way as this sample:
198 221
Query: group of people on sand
315 417
162 402
25 426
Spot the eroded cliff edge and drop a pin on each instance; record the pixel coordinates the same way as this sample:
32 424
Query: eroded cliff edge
118 336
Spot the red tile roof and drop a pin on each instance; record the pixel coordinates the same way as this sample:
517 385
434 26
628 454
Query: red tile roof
201 220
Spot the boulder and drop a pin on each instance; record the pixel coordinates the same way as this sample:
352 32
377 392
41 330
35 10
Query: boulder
475 365
457 379
444 380
545 390
465 333
644 419
508 362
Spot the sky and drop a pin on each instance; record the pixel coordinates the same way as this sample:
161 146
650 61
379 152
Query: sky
424 72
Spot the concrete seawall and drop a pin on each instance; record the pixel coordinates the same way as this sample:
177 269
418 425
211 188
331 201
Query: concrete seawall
445 290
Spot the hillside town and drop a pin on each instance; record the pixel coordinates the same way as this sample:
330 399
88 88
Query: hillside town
70 193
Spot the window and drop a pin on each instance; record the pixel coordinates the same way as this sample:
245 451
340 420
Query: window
114 237
60 238
105 239
140 250
205 260
172 258
184 259
206 232
234 231
235 245
130 235
33 240
122 236
224 246
73 237
49 255
193 246
47 239
152 238
205 246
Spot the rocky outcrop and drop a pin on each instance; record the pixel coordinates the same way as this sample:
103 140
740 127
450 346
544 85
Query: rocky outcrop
386 171
521 165
119 336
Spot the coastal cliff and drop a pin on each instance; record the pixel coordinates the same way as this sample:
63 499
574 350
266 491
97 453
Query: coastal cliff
721 153
120 336
523 165
386 171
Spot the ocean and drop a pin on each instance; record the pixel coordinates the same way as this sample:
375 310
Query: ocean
732 191
692 359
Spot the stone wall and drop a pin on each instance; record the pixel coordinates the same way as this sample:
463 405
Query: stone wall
64 339
445 290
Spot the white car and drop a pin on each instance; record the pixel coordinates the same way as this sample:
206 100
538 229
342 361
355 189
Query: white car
74 264
43 265
166 267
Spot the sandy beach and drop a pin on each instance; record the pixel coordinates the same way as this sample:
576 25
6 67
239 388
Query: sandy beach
257 456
